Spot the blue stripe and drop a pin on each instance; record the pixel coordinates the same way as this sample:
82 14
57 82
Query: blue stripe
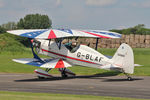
33 34
33 63
108 33
66 30
38 63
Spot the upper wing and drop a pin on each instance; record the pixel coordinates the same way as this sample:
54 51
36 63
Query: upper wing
48 63
60 33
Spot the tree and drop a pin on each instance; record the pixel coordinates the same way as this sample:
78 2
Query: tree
139 26
9 26
138 29
34 21
2 30
20 24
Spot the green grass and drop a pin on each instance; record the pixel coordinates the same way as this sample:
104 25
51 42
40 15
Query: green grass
8 66
4 95
10 43
10 49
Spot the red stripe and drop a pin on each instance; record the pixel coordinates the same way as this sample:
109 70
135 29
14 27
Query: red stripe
43 74
68 56
96 34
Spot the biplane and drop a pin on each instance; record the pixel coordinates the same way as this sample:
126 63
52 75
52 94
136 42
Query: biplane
63 55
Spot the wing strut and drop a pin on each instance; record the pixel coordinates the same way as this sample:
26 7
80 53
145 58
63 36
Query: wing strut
34 54
58 42
49 43
76 38
96 43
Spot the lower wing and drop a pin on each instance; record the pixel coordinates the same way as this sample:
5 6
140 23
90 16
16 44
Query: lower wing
47 63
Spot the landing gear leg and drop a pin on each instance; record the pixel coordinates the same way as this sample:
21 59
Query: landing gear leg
66 72
128 77
63 73
48 69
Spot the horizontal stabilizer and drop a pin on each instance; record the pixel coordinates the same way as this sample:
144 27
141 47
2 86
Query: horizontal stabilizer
136 65
48 63
111 67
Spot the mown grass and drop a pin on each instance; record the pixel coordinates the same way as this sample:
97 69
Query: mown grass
9 42
11 49
4 95
142 56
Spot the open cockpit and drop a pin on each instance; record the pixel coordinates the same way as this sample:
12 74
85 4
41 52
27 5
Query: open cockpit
72 46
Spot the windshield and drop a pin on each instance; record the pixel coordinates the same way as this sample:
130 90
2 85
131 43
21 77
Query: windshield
72 46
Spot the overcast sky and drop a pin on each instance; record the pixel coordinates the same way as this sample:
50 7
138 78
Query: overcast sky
81 14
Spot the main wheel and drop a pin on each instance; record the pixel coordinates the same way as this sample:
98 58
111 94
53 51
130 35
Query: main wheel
39 77
64 75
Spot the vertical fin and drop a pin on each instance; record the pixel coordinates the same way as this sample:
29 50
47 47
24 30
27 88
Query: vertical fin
124 58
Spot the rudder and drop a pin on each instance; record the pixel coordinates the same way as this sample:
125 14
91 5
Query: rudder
124 58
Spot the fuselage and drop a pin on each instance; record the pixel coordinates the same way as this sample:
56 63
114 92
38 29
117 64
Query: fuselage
82 55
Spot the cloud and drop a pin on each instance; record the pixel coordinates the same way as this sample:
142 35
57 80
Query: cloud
100 2
144 4
1 3
58 2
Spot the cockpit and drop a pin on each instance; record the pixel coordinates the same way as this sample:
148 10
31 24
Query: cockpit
72 46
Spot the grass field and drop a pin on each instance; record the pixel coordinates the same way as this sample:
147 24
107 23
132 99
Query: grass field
11 48
142 56
46 96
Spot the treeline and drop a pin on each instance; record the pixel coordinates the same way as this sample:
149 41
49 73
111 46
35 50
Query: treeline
30 21
138 29
38 21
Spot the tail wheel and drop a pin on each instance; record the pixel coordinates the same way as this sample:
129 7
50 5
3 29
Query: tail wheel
130 79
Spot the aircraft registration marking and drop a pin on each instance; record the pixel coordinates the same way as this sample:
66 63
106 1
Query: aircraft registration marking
89 57
69 57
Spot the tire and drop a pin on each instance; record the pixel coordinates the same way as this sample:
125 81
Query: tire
41 77
64 75
130 79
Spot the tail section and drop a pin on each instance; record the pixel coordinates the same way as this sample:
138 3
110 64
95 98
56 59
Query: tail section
124 58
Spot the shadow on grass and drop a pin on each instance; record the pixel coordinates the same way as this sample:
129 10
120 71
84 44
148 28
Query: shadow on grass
95 76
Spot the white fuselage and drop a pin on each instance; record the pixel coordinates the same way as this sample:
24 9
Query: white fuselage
83 56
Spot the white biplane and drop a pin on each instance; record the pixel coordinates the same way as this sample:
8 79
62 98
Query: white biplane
69 54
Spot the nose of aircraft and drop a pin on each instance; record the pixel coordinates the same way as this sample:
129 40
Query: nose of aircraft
32 40
36 43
